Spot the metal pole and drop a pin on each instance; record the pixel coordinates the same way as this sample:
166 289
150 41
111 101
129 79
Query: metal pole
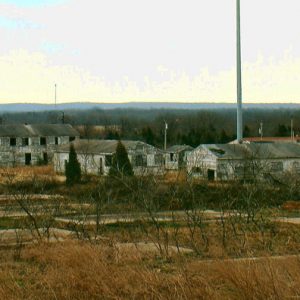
261 130
239 74
166 128
292 130
55 94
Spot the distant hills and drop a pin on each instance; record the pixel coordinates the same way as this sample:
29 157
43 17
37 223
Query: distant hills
29 107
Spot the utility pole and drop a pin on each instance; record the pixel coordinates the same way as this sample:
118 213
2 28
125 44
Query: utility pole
55 94
260 131
239 74
166 129
292 130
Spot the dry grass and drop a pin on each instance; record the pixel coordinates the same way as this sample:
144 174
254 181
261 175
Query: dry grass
21 173
30 170
175 176
33 177
77 270
291 206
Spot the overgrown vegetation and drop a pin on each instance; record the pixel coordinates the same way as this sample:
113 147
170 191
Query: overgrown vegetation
146 237
85 271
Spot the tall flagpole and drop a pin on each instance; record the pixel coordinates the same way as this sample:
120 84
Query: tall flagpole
239 74
55 95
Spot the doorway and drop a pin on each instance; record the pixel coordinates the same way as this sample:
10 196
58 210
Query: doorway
45 158
27 159
101 166
211 174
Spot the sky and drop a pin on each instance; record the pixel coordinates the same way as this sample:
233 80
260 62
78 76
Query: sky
148 50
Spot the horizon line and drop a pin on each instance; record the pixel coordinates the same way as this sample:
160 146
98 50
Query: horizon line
146 102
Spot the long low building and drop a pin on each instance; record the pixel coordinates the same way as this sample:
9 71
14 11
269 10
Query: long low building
243 161
95 156
22 144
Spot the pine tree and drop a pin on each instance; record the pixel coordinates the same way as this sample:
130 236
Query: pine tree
148 135
224 138
121 165
282 130
72 168
246 131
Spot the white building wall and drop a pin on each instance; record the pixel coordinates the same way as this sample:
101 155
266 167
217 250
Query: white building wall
91 164
199 162
171 164
15 155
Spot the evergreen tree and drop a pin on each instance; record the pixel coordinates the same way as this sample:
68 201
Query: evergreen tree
121 165
246 131
224 138
148 135
72 168
282 130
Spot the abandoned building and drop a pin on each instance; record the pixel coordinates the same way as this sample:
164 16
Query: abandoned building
176 156
95 156
243 161
276 139
32 144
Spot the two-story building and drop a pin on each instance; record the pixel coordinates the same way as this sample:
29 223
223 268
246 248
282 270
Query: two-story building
22 144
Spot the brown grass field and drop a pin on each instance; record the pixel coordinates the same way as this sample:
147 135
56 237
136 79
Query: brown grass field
227 257
80 270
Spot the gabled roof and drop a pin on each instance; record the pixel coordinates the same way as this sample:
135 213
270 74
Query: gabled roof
53 130
86 146
179 148
22 130
17 130
243 151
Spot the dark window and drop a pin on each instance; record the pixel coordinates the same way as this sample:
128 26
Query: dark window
25 141
296 166
108 160
13 141
171 156
71 138
43 141
197 170
56 140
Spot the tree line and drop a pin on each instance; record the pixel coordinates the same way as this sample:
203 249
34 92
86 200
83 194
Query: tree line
185 126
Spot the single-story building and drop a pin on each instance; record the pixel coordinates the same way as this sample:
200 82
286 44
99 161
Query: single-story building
175 157
269 139
95 156
22 144
243 161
